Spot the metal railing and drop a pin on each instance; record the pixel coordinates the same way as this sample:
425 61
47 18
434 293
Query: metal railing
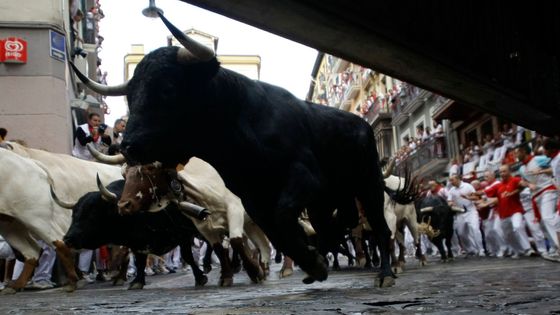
424 153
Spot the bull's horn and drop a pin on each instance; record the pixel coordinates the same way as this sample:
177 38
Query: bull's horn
193 210
196 51
109 159
457 209
115 90
61 203
426 209
389 168
105 193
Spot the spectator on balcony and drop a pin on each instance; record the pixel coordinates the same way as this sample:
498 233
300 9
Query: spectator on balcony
488 146
440 140
507 135
427 134
420 132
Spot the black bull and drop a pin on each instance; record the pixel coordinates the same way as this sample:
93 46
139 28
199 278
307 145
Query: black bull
96 222
277 153
435 212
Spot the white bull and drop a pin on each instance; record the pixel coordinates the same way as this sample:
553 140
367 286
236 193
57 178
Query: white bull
27 211
398 216
203 186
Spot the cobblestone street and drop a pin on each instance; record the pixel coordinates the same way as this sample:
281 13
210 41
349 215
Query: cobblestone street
479 286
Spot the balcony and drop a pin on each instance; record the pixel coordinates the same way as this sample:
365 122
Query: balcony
429 159
340 65
367 76
352 90
416 98
378 112
345 105
399 115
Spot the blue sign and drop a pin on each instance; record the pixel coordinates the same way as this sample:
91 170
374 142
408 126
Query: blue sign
58 46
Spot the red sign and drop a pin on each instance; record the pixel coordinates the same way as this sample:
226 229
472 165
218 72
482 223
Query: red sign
13 50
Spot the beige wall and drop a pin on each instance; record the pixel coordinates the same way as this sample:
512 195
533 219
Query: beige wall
32 11
34 101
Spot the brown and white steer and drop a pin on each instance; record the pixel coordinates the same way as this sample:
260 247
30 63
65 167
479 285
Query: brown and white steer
148 185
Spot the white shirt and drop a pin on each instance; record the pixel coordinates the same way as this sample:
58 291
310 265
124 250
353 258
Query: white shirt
456 194
555 165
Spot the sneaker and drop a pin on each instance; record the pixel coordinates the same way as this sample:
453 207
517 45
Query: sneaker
90 278
40 285
149 271
515 256
531 253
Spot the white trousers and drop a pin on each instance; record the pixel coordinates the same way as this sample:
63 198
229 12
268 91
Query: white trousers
515 234
85 260
550 218
468 231
536 231
494 234
45 264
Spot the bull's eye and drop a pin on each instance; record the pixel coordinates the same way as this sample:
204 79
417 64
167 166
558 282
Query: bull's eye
139 195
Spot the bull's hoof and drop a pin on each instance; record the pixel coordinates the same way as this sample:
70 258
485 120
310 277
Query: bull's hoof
397 269
118 282
70 287
236 268
8 290
286 272
258 278
207 268
384 282
255 272
200 281
308 280
135 286
361 261
319 270
266 269
225 282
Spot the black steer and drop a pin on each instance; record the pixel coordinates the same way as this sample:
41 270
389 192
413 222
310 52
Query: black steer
96 222
436 217
277 153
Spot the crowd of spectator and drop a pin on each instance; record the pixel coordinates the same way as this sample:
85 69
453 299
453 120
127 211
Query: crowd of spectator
434 136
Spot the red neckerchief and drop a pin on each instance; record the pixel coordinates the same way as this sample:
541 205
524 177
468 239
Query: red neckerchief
528 159
91 133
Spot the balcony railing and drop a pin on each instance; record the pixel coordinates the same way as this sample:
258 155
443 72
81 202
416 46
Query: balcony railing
425 154
378 111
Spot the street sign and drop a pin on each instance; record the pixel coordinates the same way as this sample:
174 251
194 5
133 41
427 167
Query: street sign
57 46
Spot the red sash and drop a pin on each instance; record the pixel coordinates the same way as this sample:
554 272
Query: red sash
534 201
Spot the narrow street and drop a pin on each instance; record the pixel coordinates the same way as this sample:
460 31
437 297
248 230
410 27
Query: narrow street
473 285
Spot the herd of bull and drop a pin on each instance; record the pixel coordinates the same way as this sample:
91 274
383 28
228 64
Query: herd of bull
255 158
60 199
